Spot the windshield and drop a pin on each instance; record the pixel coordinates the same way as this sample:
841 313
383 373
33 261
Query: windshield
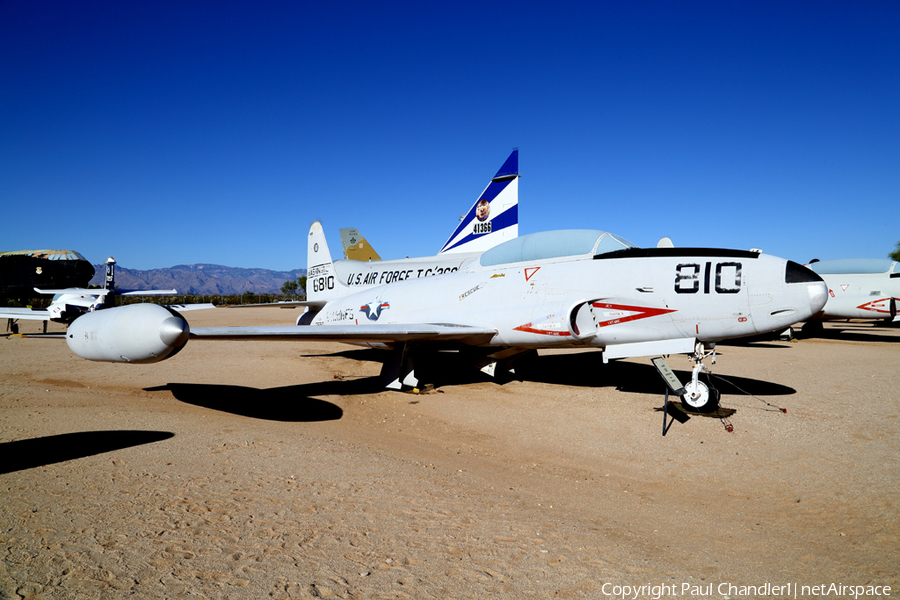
554 244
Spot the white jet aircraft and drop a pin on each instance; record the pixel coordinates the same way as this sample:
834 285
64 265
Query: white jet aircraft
556 289
492 219
858 288
70 303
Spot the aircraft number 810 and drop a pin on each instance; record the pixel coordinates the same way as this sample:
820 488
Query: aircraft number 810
728 278
320 284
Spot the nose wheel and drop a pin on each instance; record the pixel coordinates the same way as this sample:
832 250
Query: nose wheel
699 398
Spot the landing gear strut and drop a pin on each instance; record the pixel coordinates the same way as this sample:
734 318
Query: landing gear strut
697 395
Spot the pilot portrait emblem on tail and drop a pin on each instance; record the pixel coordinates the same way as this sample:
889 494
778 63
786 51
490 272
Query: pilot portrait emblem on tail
483 210
373 309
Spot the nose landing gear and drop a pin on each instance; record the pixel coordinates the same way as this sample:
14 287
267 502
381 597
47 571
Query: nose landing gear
697 395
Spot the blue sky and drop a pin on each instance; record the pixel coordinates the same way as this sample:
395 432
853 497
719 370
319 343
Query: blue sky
186 132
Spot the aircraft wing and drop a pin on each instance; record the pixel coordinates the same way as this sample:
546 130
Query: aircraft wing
310 305
172 292
186 307
104 291
26 314
279 304
351 333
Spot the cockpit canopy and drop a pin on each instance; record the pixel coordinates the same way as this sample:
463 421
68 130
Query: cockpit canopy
554 244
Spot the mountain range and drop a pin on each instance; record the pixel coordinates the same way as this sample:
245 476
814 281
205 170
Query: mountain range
201 279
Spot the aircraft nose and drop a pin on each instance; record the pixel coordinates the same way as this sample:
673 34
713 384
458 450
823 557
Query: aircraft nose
818 296
816 288
174 332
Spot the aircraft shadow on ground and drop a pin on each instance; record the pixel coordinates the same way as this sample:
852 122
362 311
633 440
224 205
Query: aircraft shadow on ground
43 451
294 403
584 369
852 333
755 342
587 369
359 354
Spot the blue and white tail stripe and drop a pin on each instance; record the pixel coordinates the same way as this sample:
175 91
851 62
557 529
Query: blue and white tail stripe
494 217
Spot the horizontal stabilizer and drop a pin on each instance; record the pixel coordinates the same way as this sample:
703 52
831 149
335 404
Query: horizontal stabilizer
93 292
509 169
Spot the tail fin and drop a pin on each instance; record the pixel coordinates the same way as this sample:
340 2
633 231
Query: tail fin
494 218
321 277
356 247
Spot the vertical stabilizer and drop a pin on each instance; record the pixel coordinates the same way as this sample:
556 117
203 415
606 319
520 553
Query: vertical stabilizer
320 275
494 218
356 247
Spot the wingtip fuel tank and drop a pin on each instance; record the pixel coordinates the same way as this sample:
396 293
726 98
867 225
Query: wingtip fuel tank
136 333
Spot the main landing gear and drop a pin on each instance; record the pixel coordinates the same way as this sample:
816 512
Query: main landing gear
697 395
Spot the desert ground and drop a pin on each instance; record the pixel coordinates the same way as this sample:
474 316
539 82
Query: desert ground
281 470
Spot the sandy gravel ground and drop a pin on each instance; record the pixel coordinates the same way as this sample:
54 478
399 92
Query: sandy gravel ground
280 470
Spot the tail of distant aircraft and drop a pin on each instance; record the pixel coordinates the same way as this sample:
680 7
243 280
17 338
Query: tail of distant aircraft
321 277
356 247
494 218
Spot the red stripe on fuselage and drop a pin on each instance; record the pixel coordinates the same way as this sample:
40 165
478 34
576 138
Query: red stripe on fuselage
529 328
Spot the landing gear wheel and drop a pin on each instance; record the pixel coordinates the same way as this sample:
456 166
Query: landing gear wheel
812 329
700 399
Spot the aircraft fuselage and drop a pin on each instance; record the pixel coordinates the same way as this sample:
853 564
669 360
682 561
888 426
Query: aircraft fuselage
627 297
862 295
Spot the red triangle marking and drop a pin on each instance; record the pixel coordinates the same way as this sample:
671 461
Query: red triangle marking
530 271
871 306
642 312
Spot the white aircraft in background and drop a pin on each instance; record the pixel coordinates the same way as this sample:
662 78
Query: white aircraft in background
70 303
492 219
858 288
556 289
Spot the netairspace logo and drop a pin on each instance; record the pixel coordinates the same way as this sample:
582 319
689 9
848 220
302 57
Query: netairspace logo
730 590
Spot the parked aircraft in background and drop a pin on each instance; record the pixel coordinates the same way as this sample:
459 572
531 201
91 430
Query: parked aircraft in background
356 247
70 303
858 288
22 271
556 289
492 219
